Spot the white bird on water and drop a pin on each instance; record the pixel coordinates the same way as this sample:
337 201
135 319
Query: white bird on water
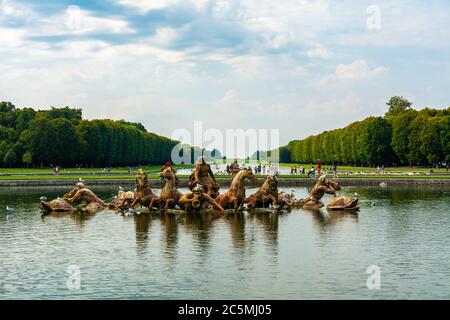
43 198
120 188
9 210
129 212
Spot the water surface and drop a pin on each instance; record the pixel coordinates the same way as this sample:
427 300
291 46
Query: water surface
297 255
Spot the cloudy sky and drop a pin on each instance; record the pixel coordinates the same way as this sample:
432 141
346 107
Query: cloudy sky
302 66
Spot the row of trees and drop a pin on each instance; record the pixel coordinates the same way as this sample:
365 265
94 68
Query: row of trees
61 137
403 136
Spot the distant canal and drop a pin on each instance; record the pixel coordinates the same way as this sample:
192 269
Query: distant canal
401 236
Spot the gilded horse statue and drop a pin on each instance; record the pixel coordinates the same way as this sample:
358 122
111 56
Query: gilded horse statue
266 194
234 197
170 196
143 194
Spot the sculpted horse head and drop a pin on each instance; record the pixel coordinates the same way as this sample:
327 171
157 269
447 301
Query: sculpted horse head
334 184
141 179
169 196
243 174
167 174
271 182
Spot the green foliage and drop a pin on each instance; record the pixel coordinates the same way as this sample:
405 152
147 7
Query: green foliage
66 113
376 142
60 136
27 158
397 105
400 134
137 125
6 106
10 157
404 136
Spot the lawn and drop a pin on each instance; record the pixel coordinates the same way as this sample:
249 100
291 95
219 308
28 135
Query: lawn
155 176
153 172
365 169
84 171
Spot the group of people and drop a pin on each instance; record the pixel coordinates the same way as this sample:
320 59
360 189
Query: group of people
313 171
259 169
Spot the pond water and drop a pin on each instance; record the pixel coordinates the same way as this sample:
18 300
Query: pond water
405 232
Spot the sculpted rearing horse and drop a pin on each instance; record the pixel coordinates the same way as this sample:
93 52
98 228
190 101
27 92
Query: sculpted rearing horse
267 194
234 197
143 194
170 196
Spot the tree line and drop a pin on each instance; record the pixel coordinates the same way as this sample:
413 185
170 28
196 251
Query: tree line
404 136
60 136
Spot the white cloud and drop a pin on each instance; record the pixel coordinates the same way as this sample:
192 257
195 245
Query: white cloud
346 105
14 9
404 24
296 18
145 6
356 71
318 51
11 37
77 21
165 36
230 95
262 74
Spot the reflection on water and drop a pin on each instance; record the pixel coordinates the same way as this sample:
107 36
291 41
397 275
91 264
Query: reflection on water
301 254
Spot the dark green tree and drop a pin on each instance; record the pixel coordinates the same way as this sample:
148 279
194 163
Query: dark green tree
396 105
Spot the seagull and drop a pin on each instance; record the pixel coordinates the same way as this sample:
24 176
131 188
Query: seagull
129 212
120 188
43 198
9 210
356 195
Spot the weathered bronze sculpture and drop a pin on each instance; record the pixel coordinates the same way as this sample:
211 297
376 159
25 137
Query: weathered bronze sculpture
143 194
343 203
197 200
78 195
57 205
267 194
170 196
123 200
81 194
322 187
234 197
204 176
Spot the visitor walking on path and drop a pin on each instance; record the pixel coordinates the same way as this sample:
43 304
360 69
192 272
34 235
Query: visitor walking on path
319 167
